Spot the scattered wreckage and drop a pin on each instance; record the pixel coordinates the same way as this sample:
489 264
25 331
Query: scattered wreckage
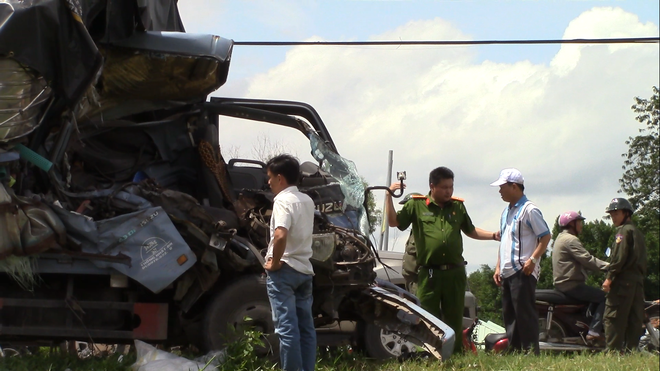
120 218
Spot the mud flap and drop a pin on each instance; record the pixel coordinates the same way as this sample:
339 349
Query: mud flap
415 324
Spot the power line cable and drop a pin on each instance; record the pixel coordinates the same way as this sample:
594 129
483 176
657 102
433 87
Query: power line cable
630 40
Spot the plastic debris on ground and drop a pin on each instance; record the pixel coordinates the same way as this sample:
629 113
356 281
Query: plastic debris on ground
151 359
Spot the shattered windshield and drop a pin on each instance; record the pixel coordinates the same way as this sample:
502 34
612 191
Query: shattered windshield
345 172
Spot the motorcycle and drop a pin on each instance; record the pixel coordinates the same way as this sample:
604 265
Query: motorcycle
564 324
650 342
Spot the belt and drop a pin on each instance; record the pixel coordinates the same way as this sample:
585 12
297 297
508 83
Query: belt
442 267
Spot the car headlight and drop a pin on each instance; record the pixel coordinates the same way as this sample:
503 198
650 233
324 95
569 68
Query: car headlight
23 93
323 246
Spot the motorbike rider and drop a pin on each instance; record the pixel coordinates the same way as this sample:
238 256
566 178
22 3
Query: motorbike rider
624 306
570 261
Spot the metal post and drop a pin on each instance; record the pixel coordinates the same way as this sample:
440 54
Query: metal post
384 236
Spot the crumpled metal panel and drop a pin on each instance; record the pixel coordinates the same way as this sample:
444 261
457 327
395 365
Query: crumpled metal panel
158 67
50 37
149 76
433 334
157 252
112 20
23 95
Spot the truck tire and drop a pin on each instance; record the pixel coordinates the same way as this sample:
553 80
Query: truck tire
382 344
241 305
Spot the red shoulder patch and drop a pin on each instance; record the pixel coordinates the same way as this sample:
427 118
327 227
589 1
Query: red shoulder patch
457 199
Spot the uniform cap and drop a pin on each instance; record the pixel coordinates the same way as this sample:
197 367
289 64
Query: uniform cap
509 176
569 216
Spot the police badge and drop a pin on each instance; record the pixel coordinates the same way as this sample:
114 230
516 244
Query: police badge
619 238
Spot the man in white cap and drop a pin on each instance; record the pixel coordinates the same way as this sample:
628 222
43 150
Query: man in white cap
524 239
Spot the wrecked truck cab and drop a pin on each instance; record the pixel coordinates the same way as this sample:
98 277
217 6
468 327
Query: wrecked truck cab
122 220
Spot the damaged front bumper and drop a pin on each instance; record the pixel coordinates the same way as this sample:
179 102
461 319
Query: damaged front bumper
413 323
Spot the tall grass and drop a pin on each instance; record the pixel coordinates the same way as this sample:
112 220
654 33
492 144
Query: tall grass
21 270
240 356
342 360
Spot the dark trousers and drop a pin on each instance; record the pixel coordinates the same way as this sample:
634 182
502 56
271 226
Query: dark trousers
442 293
584 292
624 315
521 319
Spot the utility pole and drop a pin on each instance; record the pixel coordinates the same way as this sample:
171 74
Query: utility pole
385 230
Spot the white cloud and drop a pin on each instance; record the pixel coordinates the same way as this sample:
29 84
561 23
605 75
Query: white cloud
563 125
600 23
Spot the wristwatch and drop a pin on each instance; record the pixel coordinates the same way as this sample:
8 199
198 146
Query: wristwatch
534 260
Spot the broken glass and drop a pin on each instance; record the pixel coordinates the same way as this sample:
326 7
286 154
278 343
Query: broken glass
345 172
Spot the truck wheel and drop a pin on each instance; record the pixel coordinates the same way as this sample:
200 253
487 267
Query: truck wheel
382 344
242 305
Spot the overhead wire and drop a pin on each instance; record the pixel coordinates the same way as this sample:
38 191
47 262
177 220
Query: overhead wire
627 40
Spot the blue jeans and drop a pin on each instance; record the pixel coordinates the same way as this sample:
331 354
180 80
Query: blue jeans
290 294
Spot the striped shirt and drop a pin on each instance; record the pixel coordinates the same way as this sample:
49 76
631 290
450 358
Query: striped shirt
521 227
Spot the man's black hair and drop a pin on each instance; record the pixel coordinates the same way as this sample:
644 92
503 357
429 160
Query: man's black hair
440 173
285 165
521 186
567 226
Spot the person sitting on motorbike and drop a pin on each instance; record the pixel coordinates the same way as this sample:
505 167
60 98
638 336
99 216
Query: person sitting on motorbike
570 261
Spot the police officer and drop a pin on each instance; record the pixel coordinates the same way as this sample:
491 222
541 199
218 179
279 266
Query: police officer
409 271
624 304
437 221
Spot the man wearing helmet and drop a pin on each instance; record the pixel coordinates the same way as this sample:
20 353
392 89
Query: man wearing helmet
624 305
570 261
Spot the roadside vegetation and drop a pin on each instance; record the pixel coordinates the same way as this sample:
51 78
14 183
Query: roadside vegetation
343 360
639 182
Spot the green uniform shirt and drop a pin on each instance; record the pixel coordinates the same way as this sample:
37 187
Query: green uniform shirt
410 258
628 257
436 229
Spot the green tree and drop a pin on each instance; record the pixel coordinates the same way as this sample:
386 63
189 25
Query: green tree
596 237
641 176
641 181
375 214
489 296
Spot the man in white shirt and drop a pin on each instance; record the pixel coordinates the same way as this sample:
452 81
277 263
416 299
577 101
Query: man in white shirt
524 239
289 270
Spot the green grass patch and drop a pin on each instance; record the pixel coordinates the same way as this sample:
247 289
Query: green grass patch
343 360
56 361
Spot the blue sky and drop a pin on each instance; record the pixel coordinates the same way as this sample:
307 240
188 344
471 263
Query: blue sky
560 114
360 20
